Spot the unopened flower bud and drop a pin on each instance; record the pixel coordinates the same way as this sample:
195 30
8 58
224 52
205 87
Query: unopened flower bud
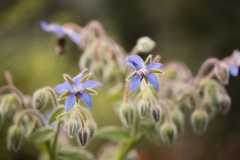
72 127
144 108
60 46
92 129
177 119
83 136
15 137
168 133
222 73
127 114
225 104
9 104
97 71
145 44
156 113
199 121
40 99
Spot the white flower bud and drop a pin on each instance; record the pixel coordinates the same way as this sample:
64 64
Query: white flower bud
145 44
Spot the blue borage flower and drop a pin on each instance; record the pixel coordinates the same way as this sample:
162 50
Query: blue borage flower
234 69
77 89
74 36
144 70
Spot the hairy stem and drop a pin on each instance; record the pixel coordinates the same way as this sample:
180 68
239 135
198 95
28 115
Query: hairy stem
30 111
8 78
53 95
204 67
126 92
17 93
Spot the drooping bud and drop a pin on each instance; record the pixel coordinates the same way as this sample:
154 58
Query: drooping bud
168 133
97 71
72 127
144 108
145 44
9 104
15 137
127 114
225 104
177 119
92 129
156 113
40 99
60 46
222 73
199 121
83 136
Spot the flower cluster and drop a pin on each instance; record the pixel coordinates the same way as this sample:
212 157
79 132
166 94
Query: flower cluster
154 110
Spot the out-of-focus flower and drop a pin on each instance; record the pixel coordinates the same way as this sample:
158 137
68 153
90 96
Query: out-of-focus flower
234 68
61 32
145 44
76 89
143 71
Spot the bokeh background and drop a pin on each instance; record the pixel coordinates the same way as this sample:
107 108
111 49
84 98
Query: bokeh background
186 30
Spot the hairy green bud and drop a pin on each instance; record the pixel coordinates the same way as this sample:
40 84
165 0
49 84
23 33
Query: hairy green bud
9 104
144 108
127 114
40 99
177 119
156 113
72 127
83 137
222 73
225 104
168 133
97 70
199 121
92 129
15 137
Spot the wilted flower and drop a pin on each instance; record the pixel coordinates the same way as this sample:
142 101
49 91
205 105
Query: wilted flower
76 89
61 32
145 44
143 71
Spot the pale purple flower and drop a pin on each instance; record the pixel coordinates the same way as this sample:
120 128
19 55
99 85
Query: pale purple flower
234 68
76 89
74 36
144 70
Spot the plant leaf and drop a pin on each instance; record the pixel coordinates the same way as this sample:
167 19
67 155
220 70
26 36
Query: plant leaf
113 133
149 133
57 113
73 153
41 135
30 126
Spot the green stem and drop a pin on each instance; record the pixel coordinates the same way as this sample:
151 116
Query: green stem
54 147
123 149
